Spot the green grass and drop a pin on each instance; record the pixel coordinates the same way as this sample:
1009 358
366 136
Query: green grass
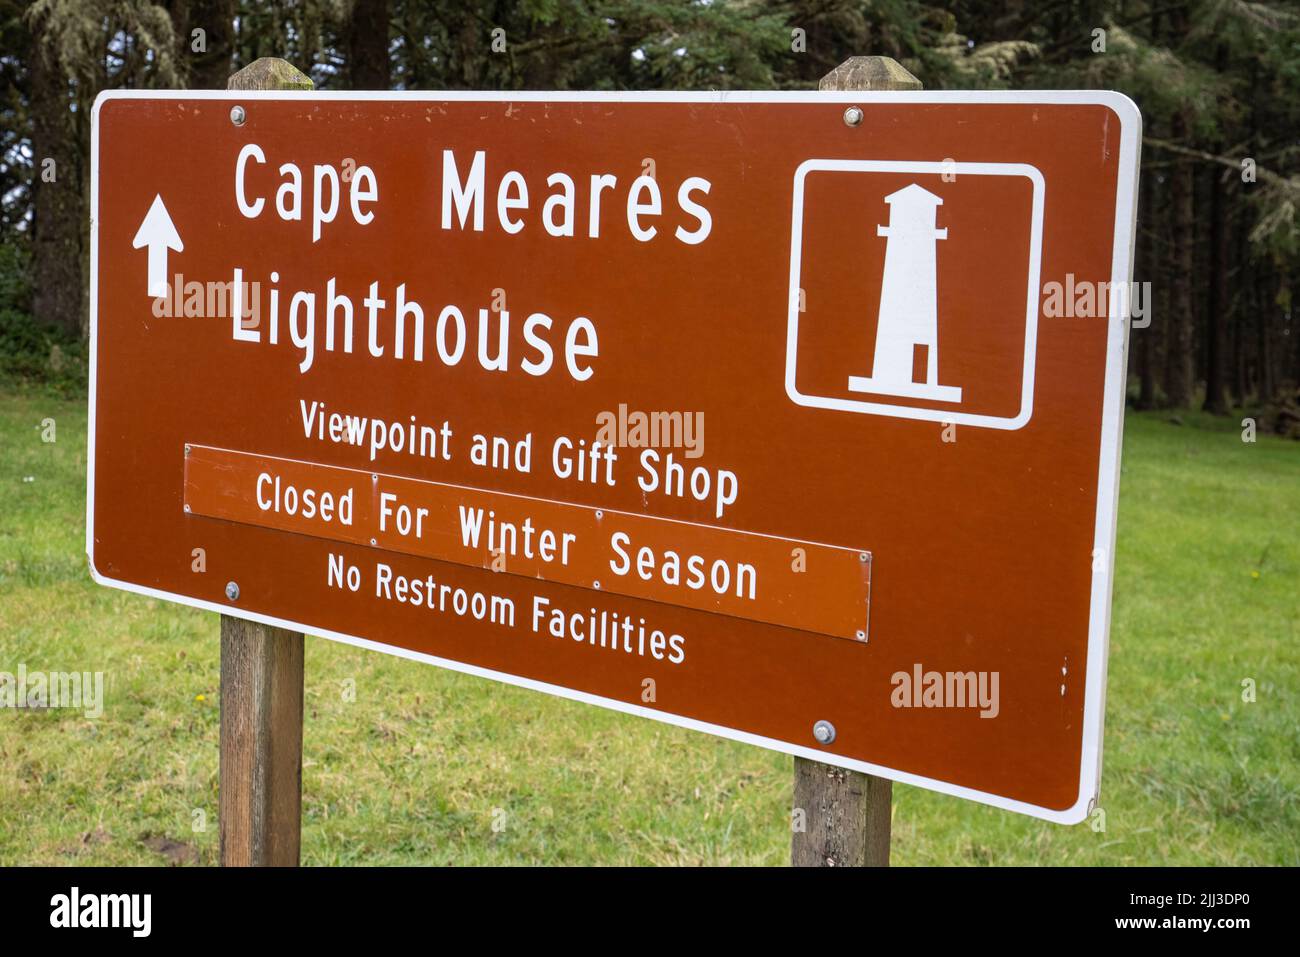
1207 594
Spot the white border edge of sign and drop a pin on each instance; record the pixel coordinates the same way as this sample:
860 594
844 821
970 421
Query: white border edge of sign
1111 427
1112 442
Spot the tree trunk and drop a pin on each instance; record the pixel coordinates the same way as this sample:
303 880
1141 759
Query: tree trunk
1216 325
1145 352
1179 384
368 64
1264 319
1250 346
210 67
1295 340
58 297
1216 399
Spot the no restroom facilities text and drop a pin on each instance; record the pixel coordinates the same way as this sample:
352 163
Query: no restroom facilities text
596 628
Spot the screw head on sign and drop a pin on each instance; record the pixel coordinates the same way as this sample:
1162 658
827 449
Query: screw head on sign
862 556
237 115
599 514
232 591
824 732
852 116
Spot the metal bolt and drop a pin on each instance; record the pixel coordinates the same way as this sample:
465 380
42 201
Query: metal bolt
599 514
862 635
373 542
852 116
237 115
862 556
596 585
187 510
187 450
232 591
824 732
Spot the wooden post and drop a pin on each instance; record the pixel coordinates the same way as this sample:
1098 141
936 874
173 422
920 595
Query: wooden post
845 817
261 744
272 73
261 680
869 73
842 817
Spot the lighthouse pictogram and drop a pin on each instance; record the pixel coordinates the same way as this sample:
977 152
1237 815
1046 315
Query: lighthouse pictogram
907 332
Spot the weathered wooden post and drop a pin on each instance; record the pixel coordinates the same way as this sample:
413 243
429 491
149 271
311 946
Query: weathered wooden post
261 681
846 814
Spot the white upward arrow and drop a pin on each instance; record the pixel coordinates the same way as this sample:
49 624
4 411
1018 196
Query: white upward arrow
159 234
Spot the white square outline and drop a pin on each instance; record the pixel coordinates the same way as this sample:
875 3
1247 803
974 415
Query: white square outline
1031 298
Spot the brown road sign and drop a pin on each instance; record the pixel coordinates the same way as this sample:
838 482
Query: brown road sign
752 413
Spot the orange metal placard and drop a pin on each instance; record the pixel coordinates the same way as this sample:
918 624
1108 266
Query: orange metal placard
816 588
785 344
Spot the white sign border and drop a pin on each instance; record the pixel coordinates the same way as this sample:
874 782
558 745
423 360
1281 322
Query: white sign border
1112 420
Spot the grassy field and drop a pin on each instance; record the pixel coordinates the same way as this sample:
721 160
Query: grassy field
417 768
